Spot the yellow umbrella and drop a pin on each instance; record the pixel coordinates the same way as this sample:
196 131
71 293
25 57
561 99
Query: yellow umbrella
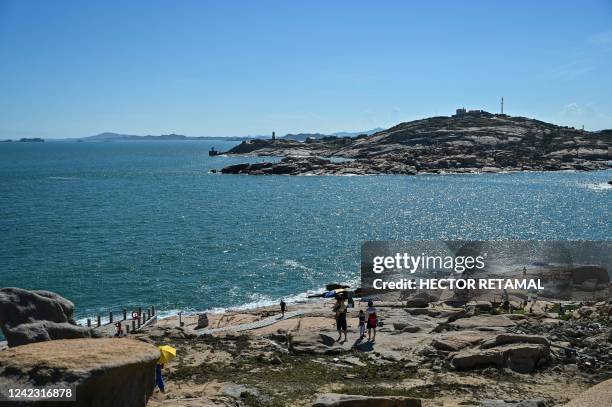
167 353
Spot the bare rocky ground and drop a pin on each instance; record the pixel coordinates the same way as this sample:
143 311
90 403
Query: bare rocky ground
439 355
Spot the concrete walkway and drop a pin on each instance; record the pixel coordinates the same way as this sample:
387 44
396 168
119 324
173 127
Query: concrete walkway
255 325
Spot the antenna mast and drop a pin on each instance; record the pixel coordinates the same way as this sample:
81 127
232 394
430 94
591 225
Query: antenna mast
502 105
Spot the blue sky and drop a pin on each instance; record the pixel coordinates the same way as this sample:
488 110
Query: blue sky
230 68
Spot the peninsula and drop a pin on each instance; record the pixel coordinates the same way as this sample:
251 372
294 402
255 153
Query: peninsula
466 142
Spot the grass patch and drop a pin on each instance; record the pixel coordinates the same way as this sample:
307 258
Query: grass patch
428 391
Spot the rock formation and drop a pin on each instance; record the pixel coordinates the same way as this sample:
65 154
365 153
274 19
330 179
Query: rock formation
472 142
35 316
104 372
314 343
597 396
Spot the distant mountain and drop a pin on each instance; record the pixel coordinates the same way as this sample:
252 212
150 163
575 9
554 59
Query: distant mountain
110 136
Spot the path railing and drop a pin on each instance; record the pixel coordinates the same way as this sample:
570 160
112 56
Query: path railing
130 323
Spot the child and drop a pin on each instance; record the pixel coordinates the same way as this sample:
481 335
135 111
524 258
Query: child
119 330
362 326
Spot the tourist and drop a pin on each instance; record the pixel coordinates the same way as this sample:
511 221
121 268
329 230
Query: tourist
283 308
362 324
372 321
340 310
159 380
119 332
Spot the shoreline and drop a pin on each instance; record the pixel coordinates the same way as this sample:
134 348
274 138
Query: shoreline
315 165
474 172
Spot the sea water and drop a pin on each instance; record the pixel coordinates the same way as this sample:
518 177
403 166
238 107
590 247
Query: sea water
113 225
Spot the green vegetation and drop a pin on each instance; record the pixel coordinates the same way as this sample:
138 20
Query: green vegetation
428 391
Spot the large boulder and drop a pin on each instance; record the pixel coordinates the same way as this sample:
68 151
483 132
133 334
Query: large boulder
348 400
202 321
36 316
597 396
103 372
521 357
313 343
420 300
481 306
505 339
456 341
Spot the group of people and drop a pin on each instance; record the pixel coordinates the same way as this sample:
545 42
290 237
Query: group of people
369 321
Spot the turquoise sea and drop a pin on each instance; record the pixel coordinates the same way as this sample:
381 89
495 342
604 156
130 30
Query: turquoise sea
125 224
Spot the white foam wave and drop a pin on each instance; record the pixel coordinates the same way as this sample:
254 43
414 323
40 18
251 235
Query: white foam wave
258 301
597 186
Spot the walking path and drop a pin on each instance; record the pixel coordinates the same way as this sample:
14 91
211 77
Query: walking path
255 325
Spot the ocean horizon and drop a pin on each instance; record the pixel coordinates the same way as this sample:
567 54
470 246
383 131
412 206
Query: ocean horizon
126 224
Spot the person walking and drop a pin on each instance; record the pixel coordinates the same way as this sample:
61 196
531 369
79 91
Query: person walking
283 308
340 310
372 321
362 324
159 380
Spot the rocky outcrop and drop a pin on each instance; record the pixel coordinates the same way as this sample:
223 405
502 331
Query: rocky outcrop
104 372
313 343
485 322
522 358
36 316
597 396
505 339
457 341
320 166
202 321
420 300
347 400
471 142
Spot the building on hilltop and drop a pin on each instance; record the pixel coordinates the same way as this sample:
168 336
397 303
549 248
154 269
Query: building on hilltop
462 112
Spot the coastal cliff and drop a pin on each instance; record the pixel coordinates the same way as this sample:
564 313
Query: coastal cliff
475 141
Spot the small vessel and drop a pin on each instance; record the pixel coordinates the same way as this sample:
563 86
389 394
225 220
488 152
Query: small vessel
212 152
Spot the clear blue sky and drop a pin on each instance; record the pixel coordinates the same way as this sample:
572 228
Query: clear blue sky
230 68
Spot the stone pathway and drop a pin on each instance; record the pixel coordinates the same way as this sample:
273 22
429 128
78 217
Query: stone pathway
254 325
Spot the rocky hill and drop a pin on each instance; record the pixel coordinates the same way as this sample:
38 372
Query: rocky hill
470 142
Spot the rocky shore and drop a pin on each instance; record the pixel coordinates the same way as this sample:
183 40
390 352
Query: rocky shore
427 353
467 143
430 355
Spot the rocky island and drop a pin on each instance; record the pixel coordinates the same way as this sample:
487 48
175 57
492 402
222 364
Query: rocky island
467 142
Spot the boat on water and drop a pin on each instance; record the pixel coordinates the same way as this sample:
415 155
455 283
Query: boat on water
212 152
